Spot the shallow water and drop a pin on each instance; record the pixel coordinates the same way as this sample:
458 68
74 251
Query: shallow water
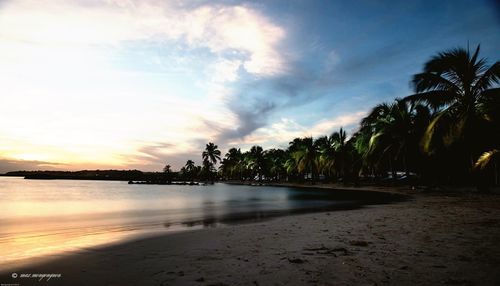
50 217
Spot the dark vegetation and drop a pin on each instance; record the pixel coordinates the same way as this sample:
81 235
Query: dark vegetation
447 133
118 175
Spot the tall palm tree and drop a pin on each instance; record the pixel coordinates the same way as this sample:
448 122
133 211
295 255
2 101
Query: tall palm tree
362 140
210 157
306 156
257 161
189 165
326 152
333 153
244 164
211 153
276 159
233 163
458 85
167 169
393 136
190 168
339 141
167 172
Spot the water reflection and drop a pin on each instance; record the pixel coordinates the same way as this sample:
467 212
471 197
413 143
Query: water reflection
42 218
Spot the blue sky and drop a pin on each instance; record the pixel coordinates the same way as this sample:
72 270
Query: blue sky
138 84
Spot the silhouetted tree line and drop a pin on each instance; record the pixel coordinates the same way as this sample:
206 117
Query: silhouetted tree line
119 175
448 132
165 177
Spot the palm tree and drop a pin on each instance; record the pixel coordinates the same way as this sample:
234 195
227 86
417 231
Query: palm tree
339 143
189 165
257 161
393 136
210 157
389 136
358 145
211 153
182 173
276 159
291 166
459 86
326 152
233 163
190 168
306 156
167 169
244 164
362 140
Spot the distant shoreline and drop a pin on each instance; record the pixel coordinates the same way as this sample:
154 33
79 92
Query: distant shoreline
150 178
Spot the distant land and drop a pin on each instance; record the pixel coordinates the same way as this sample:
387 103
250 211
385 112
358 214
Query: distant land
112 175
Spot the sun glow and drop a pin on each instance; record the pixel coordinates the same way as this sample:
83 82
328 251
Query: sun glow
91 85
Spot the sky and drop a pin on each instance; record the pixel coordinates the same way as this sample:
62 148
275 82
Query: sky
123 84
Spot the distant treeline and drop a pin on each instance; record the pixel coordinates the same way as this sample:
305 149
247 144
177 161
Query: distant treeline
112 175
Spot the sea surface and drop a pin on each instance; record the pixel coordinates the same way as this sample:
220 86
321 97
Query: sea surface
48 218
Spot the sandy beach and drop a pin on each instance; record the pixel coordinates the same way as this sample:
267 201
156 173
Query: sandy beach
432 239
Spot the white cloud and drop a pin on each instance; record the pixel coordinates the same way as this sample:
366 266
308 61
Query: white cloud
285 130
219 28
325 127
225 70
67 98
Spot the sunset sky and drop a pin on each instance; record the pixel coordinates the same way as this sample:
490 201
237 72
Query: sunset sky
88 84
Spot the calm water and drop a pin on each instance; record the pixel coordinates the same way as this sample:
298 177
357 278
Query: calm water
50 217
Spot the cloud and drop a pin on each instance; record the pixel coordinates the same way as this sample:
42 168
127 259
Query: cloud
154 156
92 93
240 30
154 153
327 126
256 100
285 130
249 120
225 70
7 165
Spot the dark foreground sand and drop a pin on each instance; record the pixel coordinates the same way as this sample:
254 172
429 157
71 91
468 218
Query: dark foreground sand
433 239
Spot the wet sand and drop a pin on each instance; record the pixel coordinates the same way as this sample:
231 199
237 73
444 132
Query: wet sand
433 239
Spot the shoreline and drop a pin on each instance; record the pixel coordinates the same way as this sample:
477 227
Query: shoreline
432 239
345 199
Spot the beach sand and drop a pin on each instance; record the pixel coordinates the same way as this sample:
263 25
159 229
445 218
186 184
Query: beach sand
432 239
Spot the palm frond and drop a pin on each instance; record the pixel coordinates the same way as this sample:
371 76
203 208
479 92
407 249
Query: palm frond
475 55
432 81
490 77
448 62
489 105
486 158
375 114
430 132
435 98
